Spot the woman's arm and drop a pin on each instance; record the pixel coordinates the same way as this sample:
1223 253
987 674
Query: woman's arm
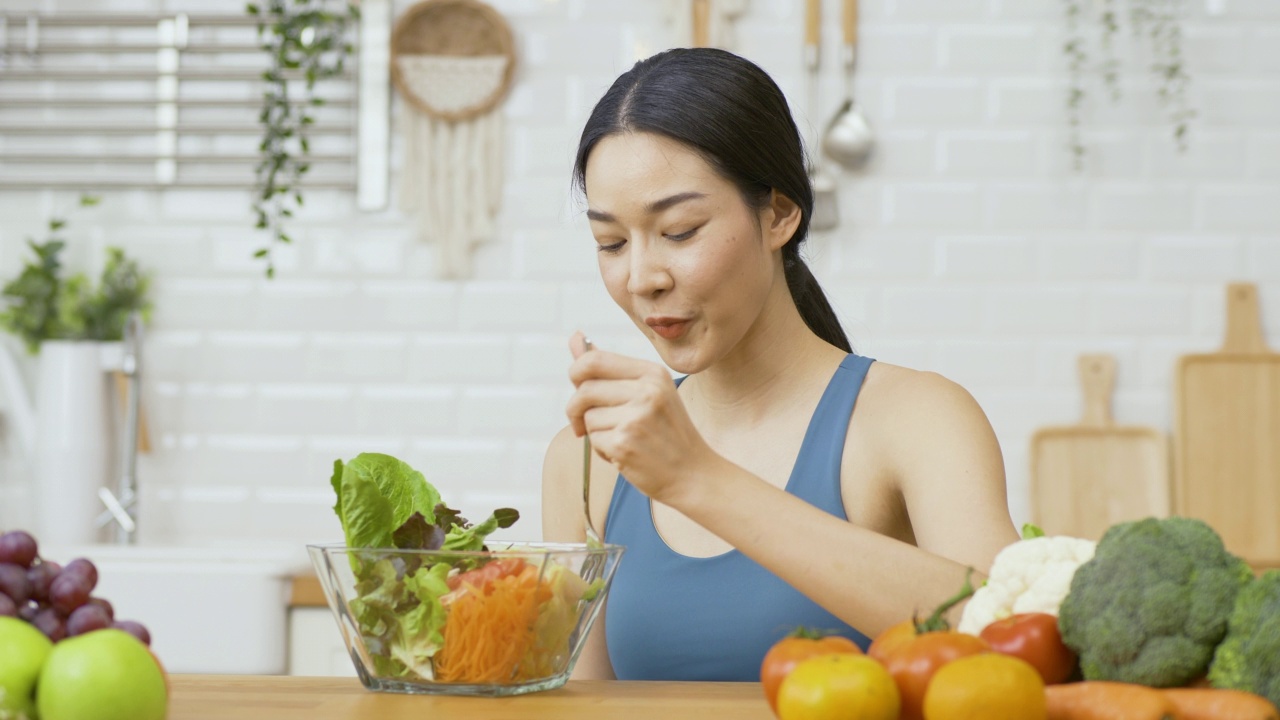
562 521
938 444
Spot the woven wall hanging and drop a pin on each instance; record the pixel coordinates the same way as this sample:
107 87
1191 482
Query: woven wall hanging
452 62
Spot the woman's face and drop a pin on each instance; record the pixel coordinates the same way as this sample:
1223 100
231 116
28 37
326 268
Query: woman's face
679 250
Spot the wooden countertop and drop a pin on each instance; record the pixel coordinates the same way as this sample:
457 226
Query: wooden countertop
305 591
241 697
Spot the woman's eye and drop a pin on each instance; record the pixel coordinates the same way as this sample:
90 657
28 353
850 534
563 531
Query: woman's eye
681 236
612 247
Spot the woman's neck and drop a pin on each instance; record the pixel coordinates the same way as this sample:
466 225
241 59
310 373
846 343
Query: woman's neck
777 358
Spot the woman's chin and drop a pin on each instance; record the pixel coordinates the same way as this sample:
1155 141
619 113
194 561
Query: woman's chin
681 357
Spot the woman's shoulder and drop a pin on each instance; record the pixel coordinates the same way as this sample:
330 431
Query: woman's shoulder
562 487
559 450
907 404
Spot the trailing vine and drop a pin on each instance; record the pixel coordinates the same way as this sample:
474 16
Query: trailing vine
1153 21
1159 18
302 38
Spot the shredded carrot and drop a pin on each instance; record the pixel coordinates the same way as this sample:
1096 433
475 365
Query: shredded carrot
489 629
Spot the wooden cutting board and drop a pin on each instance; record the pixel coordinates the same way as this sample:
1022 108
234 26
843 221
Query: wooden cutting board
1087 477
1227 435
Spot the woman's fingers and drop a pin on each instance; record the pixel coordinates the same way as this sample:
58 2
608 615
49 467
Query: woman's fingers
604 365
598 393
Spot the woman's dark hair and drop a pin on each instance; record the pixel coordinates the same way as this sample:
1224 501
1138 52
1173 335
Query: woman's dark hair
733 114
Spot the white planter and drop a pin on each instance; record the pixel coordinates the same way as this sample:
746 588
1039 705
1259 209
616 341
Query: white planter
72 456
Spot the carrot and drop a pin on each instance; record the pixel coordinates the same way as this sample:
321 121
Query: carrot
1100 700
488 629
1211 704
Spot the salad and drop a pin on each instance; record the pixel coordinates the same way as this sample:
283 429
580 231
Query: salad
440 616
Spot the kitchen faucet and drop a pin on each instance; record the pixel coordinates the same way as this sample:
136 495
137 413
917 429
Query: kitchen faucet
122 504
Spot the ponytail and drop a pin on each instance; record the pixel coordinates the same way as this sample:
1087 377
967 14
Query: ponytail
810 300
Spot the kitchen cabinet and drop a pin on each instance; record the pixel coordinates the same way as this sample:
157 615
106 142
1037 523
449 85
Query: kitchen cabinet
315 644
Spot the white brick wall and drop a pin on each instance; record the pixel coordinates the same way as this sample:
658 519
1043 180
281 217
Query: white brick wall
969 246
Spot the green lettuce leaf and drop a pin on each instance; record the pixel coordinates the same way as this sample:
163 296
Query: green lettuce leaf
471 538
376 495
421 630
385 504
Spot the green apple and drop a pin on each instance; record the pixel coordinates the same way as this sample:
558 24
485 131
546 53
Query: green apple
101 675
25 650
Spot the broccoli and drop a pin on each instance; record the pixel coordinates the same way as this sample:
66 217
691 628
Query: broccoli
1249 659
1153 603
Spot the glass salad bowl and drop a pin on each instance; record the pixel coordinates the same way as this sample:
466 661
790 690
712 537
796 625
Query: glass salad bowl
507 620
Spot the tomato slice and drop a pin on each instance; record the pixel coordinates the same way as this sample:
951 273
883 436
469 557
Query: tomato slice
482 576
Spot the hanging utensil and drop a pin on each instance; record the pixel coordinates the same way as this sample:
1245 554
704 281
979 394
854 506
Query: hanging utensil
701 23
849 139
826 214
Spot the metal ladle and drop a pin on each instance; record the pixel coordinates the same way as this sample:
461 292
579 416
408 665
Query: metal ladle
848 139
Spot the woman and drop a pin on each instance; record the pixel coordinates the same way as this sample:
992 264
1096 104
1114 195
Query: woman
751 496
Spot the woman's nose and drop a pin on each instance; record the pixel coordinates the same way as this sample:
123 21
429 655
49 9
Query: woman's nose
648 273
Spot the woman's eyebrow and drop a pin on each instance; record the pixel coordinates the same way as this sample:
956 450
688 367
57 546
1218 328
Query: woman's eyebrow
656 206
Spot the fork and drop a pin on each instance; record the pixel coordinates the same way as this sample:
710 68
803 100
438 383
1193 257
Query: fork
593 540
594 564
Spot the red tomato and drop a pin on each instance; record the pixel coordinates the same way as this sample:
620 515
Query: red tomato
912 661
912 651
791 650
888 642
491 571
1033 637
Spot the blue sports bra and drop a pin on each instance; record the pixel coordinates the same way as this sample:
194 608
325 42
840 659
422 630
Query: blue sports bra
674 617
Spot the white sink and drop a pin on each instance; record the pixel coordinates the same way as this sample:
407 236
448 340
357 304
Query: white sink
209 610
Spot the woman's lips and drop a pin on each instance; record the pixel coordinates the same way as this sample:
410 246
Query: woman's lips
668 328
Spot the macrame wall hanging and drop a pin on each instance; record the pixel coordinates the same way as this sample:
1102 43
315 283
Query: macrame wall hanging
452 62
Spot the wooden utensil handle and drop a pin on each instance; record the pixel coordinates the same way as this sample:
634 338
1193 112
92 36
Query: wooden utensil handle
849 22
1098 380
701 23
122 394
812 22
1244 322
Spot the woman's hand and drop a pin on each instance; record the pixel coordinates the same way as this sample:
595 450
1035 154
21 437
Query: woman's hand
635 419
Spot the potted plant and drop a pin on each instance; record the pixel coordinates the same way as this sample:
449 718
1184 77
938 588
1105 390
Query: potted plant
64 423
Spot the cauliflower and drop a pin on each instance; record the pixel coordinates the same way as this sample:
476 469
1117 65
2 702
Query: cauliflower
1031 575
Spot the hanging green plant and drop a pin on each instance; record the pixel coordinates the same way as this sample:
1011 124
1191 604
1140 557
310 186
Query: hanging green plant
1156 22
307 39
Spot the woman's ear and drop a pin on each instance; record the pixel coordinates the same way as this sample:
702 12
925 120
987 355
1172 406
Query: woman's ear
780 220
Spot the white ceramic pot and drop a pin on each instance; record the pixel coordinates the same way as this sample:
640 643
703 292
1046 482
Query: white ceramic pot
72 454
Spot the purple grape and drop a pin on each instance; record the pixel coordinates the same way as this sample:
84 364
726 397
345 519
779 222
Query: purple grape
41 576
7 607
135 629
69 592
87 618
106 606
13 582
85 569
29 611
48 622
18 547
